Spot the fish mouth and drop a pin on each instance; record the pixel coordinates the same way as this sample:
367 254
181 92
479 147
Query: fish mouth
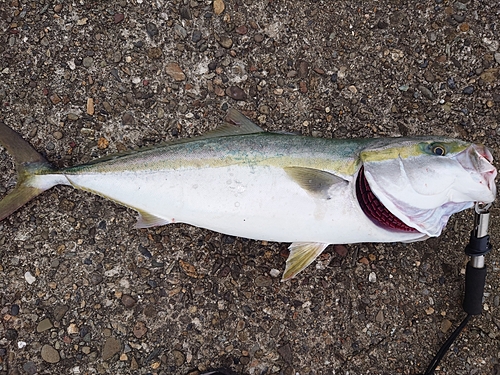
375 210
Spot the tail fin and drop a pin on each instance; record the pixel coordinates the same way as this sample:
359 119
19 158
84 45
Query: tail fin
29 163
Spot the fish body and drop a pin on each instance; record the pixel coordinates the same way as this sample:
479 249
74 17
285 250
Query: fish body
241 181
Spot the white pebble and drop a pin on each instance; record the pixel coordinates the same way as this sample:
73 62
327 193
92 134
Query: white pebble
30 279
274 272
372 277
21 344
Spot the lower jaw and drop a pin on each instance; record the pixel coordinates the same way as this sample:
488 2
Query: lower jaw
375 210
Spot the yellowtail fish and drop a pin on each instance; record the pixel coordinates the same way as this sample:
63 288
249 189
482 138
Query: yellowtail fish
242 181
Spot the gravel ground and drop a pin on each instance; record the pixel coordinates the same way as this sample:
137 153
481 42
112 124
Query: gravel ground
82 292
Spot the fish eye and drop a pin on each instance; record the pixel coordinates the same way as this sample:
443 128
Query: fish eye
438 149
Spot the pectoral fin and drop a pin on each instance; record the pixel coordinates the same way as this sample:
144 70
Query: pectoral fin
301 255
314 181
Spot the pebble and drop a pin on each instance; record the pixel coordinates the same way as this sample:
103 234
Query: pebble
218 6
185 13
44 325
153 53
497 57
128 119
263 281
49 354
14 310
426 92
30 368
226 42
151 29
57 135
60 311
372 277
111 347
286 353
196 37
30 279
118 17
451 83
380 317
340 250
140 329
242 30
179 357
445 325
236 93
88 61
90 106
469 90
128 301
274 272
174 71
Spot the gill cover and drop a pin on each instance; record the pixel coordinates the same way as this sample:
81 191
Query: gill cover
424 181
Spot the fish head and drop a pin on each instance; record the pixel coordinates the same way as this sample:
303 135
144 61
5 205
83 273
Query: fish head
423 181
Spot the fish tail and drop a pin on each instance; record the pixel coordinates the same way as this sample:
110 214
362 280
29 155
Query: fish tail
31 167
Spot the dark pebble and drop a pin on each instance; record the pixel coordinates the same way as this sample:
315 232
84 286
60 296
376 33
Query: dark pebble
185 13
128 301
424 65
286 353
212 65
145 252
11 334
139 44
236 93
60 311
95 278
224 272
451 83
152 283
14 310
115 74
247 310
468 90
3 352
151 29
50 146
458 18
382 24
128 119
196 37
30 368
228 239
426 92
334 77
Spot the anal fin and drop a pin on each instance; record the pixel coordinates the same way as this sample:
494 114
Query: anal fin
147 220
301 255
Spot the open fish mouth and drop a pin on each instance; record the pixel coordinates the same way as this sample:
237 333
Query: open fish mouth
375 210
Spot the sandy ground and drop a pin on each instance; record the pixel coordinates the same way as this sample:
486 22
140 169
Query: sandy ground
83 292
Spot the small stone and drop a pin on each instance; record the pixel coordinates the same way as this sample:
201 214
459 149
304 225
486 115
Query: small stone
111 347
188 269
58 135
73 329
497 57
14 310
49 354
128 301
44 325
259 38
151 29
60 311
58 8
236 93
469 90
155 53
226 42
55 99
30 368
426 92
88 61
451 83
274 272
464 27
90 106
490 75
372 277
445 325
218 6
118 17
303 87
185 13
30 279
72 116
340 250
263 281
140 329
102 143
242 30
196 37
303 69
286 353
179 357
128 119
429 310
380 317
174 71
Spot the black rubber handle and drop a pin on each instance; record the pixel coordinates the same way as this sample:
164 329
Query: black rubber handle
475 278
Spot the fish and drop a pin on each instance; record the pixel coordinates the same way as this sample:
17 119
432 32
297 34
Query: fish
242 181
